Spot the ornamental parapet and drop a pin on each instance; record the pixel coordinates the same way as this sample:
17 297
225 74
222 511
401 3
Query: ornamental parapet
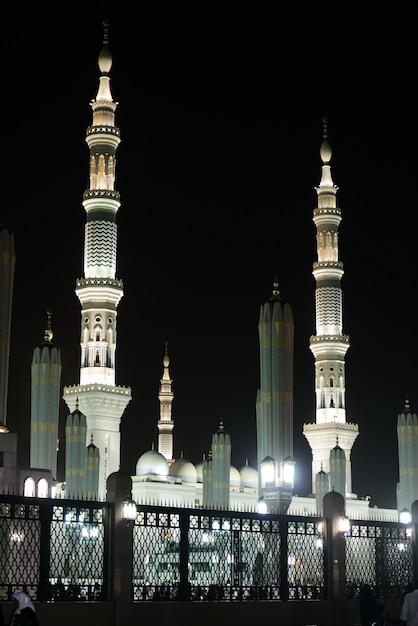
327 211
332 425
327 338
78 389
103 129
108 282
101 193
317 265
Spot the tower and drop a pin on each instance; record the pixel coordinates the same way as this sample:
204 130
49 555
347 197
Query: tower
329 345
7 270
407 430
45 398
165 423
221 468
274 406
99 291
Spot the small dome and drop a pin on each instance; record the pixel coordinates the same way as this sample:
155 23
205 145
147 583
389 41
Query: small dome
234 477
249 476
184 469
152 462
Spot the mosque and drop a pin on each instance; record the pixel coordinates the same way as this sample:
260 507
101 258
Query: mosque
96 403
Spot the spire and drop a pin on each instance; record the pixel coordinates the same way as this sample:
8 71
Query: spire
407 407
48 335
326 155
275 296
105 65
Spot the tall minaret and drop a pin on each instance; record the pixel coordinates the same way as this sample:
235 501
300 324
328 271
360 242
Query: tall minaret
407 430
45 401
221 468
7 271
99 292
274 406
329 345
165 423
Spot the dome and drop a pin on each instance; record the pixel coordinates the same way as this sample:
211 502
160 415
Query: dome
234 477
152 462
183 469
249 476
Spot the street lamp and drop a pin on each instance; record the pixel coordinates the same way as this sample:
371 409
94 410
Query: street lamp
128 512
405 516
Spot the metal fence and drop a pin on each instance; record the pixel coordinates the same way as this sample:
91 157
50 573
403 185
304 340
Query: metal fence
59 550
54 549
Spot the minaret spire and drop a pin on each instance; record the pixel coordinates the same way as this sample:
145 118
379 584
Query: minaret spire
165 423
329 345
99 291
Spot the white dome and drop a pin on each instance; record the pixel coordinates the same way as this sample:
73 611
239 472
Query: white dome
249 476
234 477
152 462
184 469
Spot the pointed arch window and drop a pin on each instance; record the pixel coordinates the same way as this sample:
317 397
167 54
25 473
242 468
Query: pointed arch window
43 488
29 487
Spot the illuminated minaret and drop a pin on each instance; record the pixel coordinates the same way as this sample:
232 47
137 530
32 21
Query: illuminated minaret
165 423
329 345
7 271
274 406
99 292
407 430
45 401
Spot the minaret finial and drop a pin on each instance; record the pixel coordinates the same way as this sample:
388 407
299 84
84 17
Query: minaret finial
48 335
407 407
325 123
276 292
106 23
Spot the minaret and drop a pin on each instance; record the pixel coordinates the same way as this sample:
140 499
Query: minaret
165 423
100 291
274 405
221 468
329 345
45 401
407 430
75 454
7 271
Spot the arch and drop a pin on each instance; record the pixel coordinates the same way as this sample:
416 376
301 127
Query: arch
43 488
29 487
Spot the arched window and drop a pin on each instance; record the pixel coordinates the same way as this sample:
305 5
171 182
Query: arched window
29 488
43 488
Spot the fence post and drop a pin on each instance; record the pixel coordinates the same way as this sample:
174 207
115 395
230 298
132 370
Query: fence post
334 510
119 489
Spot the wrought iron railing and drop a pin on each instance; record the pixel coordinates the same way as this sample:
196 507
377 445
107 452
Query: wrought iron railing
59 550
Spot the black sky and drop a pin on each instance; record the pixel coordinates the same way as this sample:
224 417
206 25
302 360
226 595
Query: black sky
220 118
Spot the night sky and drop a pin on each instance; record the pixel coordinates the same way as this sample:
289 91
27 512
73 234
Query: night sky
221 125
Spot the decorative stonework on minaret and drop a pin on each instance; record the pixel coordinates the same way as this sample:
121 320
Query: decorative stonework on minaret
165 423
329 345
100 291
274 405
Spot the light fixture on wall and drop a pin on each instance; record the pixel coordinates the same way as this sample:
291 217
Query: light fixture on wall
405 516
344 525
128 512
